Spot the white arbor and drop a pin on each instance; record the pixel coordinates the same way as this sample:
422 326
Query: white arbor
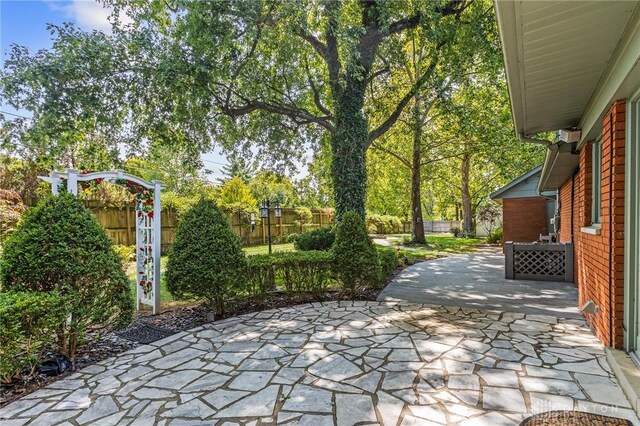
148 227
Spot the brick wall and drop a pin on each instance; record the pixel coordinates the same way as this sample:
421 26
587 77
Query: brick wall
595 278
524 219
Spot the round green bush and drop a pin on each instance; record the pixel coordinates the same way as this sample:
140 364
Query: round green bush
60 247
206 260
355 256
318 239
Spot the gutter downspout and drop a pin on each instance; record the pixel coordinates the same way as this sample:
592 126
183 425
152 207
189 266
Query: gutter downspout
611 146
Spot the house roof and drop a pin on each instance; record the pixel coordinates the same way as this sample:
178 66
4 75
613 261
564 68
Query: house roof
510 190
566 62
555 54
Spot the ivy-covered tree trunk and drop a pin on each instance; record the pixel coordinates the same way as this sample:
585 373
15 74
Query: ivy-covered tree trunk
467 219
348 146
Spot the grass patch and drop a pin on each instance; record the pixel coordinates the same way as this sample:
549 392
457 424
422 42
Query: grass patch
264 249
439 243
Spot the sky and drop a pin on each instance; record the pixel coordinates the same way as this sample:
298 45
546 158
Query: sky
24 22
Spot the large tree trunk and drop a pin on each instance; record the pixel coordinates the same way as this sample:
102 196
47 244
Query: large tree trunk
348 147
416 176
467 218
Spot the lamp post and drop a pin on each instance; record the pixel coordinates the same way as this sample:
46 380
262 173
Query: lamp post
265 213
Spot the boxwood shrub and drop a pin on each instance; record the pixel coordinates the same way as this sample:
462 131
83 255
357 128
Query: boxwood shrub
388 261
318 239
60 247
29 323
355 256
206 260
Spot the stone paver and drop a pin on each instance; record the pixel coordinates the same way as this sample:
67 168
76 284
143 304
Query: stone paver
342 363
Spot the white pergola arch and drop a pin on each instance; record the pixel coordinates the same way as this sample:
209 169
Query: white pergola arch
148 224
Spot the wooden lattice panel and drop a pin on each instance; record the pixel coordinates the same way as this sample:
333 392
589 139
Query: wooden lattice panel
536 262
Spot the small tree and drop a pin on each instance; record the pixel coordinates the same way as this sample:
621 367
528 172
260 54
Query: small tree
305 216
235 196
60 247
355 255
489 216
206 260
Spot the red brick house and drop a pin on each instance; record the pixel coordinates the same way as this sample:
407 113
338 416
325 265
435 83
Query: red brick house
574 68
525 213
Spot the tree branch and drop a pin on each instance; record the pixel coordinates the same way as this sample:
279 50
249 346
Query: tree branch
393 154
316 93
332 57
453 7
386 125
299 116
317 45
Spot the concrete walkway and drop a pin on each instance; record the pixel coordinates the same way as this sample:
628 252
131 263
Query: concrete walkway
342 364
477 281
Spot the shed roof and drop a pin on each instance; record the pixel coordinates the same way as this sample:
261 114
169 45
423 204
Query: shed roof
521 187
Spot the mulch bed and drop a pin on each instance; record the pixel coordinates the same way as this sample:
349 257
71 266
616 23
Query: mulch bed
147 328
573 418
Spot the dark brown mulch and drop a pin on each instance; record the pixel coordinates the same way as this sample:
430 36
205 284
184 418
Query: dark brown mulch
573 418
147 328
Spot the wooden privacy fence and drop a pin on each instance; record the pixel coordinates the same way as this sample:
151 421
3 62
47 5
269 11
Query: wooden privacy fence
121 225
435 226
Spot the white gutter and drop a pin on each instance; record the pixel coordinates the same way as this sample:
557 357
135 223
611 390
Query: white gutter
526 138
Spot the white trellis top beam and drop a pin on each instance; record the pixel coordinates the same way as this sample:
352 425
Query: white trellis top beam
57 177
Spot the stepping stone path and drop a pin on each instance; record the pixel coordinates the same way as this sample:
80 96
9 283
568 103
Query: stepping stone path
342 363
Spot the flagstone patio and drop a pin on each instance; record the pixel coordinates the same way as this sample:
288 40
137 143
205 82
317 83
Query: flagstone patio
342 363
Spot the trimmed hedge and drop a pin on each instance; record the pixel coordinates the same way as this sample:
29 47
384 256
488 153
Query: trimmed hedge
29 323
388 263
318 239
297 272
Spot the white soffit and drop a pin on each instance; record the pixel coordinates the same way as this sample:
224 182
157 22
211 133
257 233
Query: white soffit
555 54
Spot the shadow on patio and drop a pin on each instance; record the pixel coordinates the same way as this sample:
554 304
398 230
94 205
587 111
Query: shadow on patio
478 281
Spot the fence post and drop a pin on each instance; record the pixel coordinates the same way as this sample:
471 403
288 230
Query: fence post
508 258
568 262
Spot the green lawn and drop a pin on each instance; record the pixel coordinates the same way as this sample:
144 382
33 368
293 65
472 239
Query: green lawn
439 243
265 248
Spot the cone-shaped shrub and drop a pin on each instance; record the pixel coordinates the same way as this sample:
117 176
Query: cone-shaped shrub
60 247
206 260
355 257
